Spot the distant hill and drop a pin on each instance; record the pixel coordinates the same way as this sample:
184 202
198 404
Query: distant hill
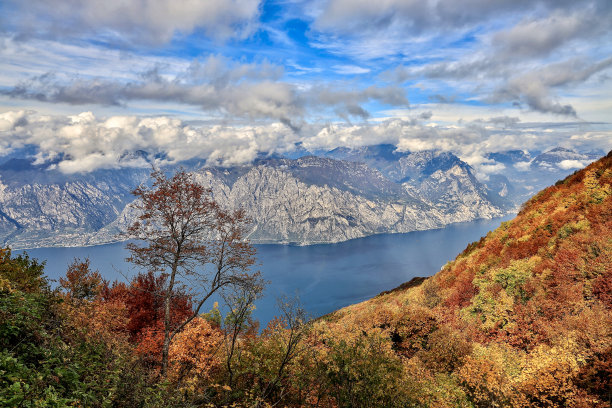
521 318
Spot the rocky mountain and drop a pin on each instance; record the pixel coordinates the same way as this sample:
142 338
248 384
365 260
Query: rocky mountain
40 206
441 178
350 193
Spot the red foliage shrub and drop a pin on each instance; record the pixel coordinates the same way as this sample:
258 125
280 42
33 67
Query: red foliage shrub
143 298
602 289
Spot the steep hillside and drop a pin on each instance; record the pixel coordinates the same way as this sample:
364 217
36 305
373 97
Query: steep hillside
522 317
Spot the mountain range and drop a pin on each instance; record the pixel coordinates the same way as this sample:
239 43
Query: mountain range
329 197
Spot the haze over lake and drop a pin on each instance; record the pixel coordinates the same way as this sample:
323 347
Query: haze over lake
326 277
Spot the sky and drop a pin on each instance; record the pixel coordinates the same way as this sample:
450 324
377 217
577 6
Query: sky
85 82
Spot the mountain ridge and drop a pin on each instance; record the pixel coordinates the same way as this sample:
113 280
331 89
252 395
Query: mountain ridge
303 201
374 189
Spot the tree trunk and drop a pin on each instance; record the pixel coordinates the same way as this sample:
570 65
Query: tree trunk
167 298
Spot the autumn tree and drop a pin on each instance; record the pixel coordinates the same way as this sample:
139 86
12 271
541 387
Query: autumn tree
188 237
81 283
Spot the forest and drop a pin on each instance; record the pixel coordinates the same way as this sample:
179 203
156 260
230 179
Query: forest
521 318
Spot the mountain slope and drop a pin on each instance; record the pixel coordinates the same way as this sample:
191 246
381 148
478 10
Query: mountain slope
441 178
305 200
40 206
522 317
313 200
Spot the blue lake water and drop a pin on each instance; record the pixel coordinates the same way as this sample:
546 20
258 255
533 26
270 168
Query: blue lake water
325 277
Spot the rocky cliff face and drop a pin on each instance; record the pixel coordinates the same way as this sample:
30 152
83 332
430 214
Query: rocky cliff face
304 201
320 200
286 207
40 206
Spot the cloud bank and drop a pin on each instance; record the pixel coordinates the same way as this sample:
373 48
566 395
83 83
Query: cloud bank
84 142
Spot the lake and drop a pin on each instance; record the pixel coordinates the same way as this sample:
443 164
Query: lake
325 277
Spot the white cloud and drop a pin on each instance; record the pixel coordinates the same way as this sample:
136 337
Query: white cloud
491 168
522 166
141 22
350 69
84 142
571 164
9 121
387 28
216 85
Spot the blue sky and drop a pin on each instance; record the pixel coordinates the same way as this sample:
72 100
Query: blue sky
228 79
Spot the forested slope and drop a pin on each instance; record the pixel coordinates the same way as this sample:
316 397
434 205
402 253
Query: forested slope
520 318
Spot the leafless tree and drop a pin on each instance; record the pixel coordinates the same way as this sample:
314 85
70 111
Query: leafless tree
297 326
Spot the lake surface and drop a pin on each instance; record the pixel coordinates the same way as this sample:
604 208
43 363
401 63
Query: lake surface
325 277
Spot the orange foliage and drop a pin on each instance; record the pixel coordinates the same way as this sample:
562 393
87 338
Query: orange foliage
195 354
80 281
533 296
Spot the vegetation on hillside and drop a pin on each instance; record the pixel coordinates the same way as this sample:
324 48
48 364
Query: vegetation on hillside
521 318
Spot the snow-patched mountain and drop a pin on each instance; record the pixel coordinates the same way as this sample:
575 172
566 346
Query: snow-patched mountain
304 201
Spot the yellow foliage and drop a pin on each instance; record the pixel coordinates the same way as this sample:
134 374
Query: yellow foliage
546 378
195 355
596 191
5 285
102 320
488 374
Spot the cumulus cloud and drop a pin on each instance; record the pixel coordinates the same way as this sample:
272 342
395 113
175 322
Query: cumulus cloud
147 21
85 142
571 164
11 120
